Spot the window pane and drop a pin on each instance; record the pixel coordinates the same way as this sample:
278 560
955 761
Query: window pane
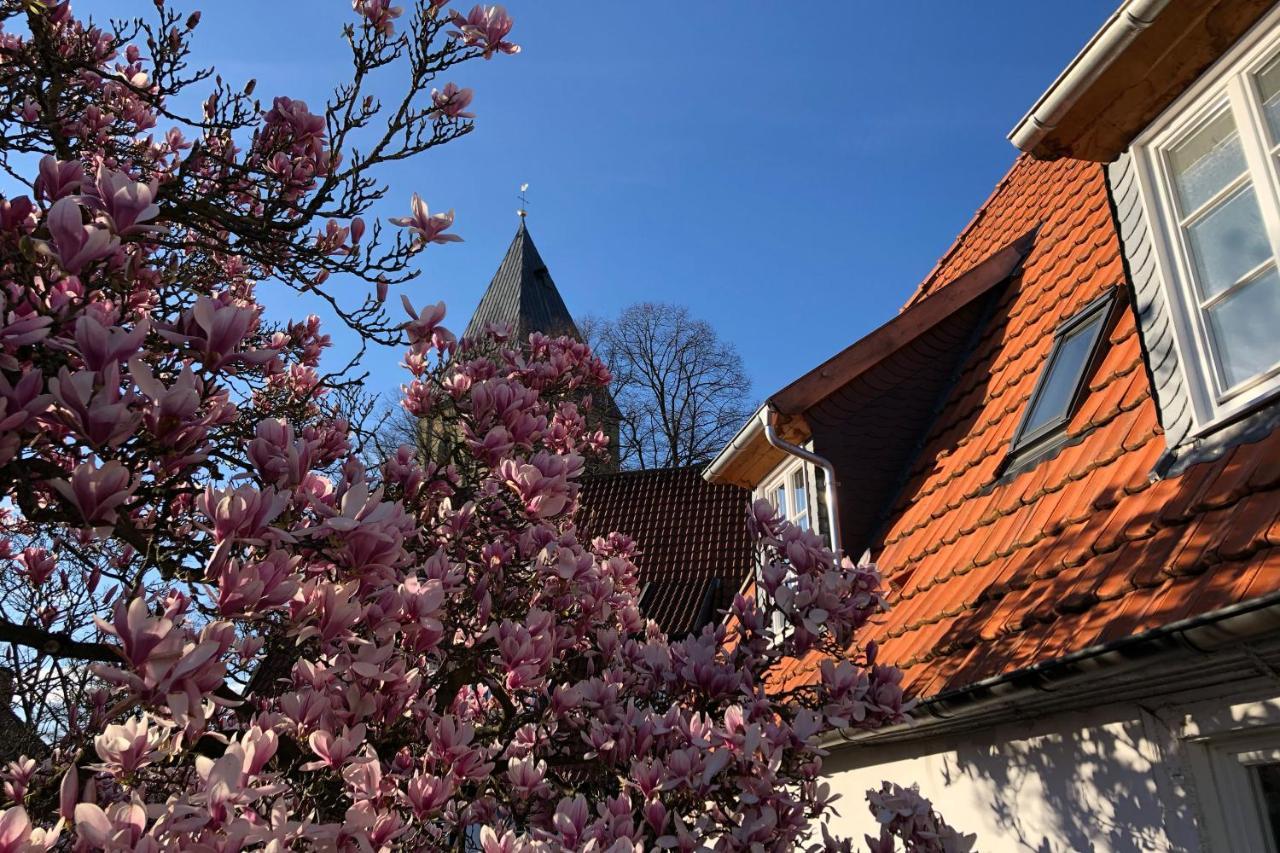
1207 162
1268 779
800 500
1228 242
1065 366
1269 87
820 486
1246 329
780 500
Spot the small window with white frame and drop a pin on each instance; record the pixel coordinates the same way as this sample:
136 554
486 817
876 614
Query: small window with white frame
788 491
1210 181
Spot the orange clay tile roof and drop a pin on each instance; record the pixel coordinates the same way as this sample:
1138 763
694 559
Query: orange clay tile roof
986 575
695 550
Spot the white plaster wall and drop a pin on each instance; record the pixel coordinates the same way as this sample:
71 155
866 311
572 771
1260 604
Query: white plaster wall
1075 782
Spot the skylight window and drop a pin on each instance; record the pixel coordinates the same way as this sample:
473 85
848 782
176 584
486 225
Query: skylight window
1061 383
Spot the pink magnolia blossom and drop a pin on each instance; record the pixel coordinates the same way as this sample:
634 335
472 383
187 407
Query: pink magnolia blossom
93 406
119 827
218 331
380 14
17 835
903 814
18 330
17 215
128 747
280 459
543 482
37 564
96 491
486 27
75 242
305 129
241 513
17 778
424 328
256 587
334 750
100 345
426 226
58 179
452 102
125 202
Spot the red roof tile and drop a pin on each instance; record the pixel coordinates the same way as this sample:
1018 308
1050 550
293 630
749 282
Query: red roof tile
695 550
992 573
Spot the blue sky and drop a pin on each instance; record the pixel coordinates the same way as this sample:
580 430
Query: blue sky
788 171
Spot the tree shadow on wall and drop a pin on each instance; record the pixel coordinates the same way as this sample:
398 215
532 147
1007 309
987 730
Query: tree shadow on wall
1091 788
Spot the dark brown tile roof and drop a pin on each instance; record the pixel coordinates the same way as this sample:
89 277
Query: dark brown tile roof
990 574
695 550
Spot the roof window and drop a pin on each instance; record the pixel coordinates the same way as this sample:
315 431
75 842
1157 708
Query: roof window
1061 384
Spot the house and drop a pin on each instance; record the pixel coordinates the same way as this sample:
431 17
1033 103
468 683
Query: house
694 548
1063 455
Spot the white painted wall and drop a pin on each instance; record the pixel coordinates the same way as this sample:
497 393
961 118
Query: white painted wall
1079 782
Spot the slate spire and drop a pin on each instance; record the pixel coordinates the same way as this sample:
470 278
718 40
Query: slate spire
523 295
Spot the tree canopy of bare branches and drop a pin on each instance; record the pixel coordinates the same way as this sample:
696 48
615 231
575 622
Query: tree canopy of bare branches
681 390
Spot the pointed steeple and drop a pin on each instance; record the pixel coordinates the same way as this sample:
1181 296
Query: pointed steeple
523 295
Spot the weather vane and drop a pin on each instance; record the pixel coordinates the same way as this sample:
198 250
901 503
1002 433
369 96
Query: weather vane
524 201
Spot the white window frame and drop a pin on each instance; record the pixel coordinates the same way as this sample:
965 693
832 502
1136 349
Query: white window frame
1227 84
781 477
1227 792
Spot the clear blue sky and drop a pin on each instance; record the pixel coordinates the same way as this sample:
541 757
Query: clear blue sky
788 171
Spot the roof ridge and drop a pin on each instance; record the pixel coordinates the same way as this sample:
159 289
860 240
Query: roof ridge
924 288
695 466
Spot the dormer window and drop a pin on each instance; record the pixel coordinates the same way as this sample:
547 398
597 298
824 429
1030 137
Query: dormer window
1209 179
1062 382
789 494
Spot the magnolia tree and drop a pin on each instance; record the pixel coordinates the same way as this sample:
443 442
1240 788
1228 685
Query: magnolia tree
223 630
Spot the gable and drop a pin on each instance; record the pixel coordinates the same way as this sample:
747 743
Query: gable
992 574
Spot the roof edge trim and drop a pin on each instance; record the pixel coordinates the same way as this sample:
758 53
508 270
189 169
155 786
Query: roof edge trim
1220 629
882 342
752 429
1107 44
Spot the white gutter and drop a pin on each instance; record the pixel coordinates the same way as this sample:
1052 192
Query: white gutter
766 418
1107 44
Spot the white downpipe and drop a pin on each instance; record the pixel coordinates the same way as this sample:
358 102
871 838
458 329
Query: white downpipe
833 512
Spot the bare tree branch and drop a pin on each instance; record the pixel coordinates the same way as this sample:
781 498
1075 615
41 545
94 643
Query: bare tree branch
682 392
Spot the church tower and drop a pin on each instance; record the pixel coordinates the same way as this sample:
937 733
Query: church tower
523 295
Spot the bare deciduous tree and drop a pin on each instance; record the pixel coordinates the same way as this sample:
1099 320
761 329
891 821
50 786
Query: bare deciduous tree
681 390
